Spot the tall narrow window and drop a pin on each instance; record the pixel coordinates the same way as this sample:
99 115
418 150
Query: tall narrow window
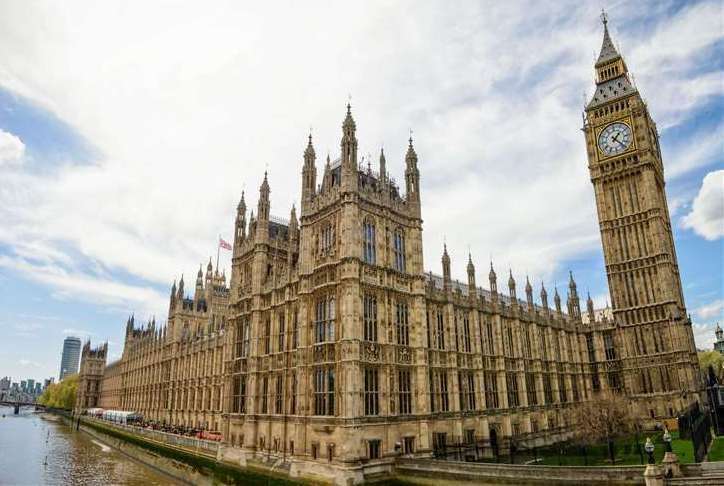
264 394
280 340
590 348
466 334
372 391
324 391
267 336
405 392
324 323
466 382
279 395
399 250
530 389
439 401
295 332
402 324
491 390
440 331
368 243
239 397
609 346
369 305
486 335
293 395
512 382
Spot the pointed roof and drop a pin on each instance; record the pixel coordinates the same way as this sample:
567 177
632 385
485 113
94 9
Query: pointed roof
528 286
309 153
411 155
471 267
445 256
608 50
242 204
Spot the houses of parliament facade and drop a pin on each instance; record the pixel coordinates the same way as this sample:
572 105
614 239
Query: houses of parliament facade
332 346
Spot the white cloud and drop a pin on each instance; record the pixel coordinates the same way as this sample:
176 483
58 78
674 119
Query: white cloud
12 149
707 213
29 363
187 106
711 310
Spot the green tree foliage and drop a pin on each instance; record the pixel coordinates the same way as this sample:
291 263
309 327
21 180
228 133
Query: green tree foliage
711 358
61 395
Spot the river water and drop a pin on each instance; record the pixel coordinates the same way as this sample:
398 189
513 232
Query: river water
39 449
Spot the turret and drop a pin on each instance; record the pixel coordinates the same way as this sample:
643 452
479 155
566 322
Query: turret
574 304
493 280
511 287
209 274
199 283
529 293
412 175
445 268
240 233
172 299
349 152
471 275
557 300
383 166
543 296
309 173
589 308
719 333
263 208
181 288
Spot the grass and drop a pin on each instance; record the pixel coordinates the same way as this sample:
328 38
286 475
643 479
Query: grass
625 452
717 449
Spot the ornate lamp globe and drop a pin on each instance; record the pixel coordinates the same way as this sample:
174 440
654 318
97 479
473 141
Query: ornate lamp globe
667 440
649 448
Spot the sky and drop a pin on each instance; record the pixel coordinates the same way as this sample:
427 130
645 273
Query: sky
128 131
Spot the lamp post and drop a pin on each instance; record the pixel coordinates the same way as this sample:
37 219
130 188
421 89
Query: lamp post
649 448
667 440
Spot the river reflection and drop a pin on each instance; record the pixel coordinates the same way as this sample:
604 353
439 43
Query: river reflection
41 449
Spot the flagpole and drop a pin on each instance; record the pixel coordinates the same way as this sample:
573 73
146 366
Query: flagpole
218 249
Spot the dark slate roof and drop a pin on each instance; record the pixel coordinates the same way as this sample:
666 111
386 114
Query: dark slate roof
610 90
608 51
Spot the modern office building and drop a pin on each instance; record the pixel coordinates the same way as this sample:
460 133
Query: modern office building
71 357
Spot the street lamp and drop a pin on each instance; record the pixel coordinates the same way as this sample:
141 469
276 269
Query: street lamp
667 440
649 448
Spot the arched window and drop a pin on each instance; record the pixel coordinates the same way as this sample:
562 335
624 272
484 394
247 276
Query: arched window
399 250
368 242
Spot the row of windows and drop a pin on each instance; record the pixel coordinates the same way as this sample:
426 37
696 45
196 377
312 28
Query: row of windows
369 246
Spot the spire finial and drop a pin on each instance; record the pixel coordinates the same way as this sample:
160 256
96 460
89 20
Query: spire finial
410 137
604 17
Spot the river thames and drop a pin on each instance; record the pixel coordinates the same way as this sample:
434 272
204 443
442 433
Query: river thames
40 449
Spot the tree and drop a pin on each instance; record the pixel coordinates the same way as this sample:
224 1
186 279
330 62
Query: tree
603 419
60 395
711 358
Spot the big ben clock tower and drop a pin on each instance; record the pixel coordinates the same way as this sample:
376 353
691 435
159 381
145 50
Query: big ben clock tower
657 353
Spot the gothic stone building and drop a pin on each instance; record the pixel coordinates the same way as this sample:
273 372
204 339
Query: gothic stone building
333 348
90 374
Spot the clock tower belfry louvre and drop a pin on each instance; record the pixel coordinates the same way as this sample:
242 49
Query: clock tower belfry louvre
658 357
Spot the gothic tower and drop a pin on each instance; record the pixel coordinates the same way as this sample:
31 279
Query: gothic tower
627 173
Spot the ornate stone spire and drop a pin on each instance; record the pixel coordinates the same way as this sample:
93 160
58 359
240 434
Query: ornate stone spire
608 50
511 285
383 165
493 279
471 275
528 292
445 264
543 295
557 299
263 209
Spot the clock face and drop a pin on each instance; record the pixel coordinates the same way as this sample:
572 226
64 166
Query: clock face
615 138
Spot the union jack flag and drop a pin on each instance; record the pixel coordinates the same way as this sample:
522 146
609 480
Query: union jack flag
223 244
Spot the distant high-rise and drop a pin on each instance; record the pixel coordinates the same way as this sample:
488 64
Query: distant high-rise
70 358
